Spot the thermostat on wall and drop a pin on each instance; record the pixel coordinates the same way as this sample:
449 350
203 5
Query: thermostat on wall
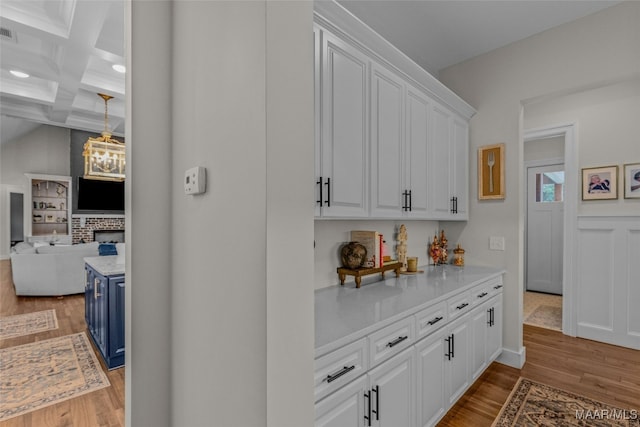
195 180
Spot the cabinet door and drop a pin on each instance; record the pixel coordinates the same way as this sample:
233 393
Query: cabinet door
344 130
441 162
458 366
116 318
494 330
346 407
460 171
479 324
101 312
393 391
416 152
317 49
430 356
387 180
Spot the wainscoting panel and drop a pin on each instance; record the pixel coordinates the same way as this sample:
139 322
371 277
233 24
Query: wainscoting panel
633 279
607 272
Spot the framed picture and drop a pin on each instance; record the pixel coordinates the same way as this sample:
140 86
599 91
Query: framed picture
600 183
491 172
632 181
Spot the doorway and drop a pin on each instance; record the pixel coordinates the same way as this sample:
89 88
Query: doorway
16 218
544 232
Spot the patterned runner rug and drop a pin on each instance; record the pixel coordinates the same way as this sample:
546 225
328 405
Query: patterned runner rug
26 324
47 372
534 404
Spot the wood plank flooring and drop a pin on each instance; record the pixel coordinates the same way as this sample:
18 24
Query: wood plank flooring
104 407
600 371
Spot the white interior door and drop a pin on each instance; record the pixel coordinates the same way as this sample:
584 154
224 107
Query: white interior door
545 210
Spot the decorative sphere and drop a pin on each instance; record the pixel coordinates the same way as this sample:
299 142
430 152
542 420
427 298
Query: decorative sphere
353 255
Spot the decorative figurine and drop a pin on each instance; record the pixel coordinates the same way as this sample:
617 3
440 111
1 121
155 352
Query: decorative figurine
434 250
444 255
458 256
401 249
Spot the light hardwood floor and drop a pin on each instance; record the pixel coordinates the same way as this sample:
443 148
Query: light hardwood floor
104 407
600 371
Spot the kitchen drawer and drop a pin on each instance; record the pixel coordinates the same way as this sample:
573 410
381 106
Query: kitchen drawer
481 293
430 319
338 368
391 340
496 285
458 305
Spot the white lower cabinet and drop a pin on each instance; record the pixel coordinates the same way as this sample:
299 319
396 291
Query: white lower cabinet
417 386
385 397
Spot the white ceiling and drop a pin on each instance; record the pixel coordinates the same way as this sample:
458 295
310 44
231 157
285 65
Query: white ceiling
69 46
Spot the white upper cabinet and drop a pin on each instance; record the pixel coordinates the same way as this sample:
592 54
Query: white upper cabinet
391 140
449 165
417 153
388 189
343 180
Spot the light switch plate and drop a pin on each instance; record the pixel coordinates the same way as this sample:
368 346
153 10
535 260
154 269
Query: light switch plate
195 180
496 243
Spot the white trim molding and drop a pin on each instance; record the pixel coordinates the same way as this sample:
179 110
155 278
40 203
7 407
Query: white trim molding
572 190
513 358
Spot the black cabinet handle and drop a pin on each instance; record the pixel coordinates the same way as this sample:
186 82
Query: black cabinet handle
493 319
434 321
404 200
482 295
333 377
497 286
461 306
409 200
328 184
367 396
319 183
453 348
397 341
376 390
454 205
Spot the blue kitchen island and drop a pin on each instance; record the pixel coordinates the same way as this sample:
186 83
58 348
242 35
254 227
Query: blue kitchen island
104 298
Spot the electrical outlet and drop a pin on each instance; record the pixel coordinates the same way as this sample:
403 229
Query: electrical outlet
496 243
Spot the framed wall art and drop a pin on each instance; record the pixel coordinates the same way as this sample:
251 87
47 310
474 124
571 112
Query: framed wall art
631 181
600 183
491 172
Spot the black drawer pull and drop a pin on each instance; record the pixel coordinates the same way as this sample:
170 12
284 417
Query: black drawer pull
461 306
337 375
497 286
434 321
397 341
482 295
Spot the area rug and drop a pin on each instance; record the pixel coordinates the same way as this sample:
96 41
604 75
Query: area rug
47 372
534 404
26 324
546 316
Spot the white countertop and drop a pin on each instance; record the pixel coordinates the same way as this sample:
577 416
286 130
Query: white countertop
108 265
344 313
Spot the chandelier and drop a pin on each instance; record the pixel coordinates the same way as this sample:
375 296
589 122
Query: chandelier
104 157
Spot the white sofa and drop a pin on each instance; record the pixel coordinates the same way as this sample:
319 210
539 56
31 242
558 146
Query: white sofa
50 270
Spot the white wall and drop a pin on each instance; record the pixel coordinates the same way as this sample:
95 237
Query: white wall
544 149
44 150
573 58
234 347
330 235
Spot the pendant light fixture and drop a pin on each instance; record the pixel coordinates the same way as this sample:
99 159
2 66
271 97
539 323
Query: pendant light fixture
104 157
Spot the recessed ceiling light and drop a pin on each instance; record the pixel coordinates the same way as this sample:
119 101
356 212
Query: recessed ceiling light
119 68
19 74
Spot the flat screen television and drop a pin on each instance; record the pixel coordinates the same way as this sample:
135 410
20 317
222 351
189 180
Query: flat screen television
103 196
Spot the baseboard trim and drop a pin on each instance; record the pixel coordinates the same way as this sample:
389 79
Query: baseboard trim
515 359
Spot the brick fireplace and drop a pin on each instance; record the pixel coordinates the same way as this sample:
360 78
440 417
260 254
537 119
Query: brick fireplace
83 228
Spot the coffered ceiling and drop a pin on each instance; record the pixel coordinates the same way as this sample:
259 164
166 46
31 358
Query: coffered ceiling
68 48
